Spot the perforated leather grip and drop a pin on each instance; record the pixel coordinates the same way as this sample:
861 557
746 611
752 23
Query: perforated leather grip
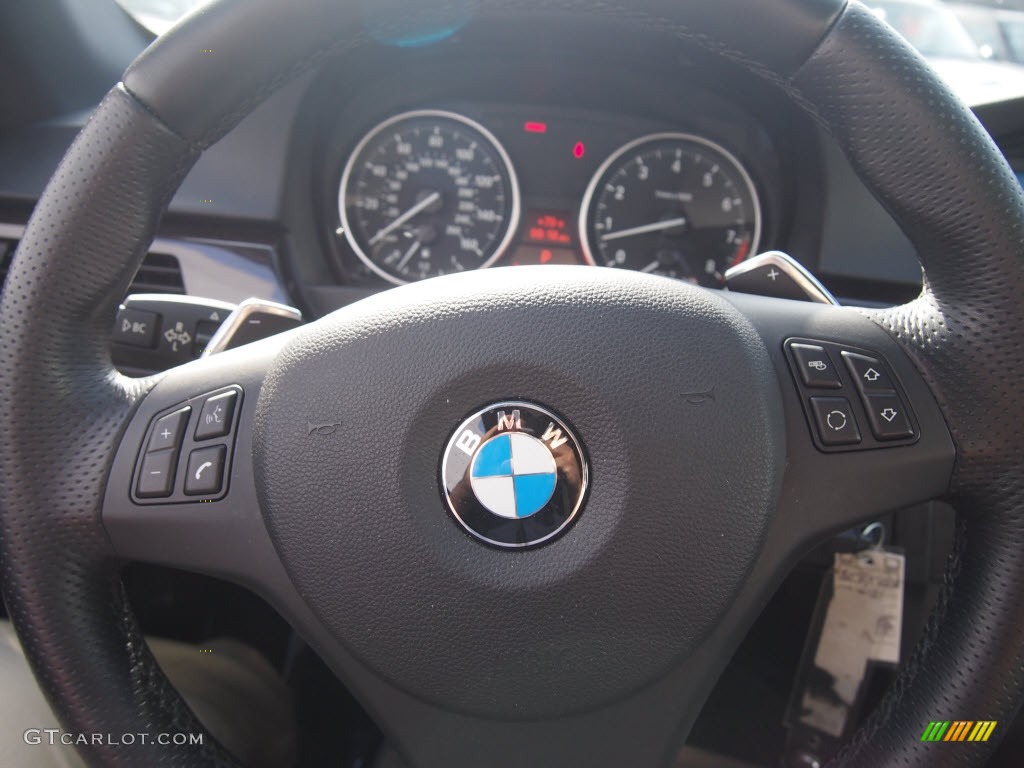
949 187
66 409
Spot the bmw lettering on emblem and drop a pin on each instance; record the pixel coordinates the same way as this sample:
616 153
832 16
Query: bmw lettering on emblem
514 475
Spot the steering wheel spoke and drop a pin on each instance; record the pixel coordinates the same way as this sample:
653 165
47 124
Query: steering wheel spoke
865 435
181 490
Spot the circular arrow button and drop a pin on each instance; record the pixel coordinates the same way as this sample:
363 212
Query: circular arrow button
835 421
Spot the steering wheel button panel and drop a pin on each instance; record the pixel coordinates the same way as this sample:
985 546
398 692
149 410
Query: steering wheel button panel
156 476
183 431
169 431
888 417
205 475
835 420
881 403
869 374
215 418
815 366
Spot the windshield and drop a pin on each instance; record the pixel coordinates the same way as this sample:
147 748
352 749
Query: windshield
159 15
1014 31
932 29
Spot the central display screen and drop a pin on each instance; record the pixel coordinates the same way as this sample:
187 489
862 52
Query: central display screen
547 228
545 237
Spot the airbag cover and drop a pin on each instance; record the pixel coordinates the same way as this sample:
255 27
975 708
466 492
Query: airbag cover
677 407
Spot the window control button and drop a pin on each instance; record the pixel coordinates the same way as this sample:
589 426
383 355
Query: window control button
835 421
888 417
868 373
205 471
215 418
815 365
156 478
169 430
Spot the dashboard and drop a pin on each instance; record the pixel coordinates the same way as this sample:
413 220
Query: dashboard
509 144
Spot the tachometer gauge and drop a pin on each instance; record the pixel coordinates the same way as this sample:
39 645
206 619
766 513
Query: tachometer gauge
672 204
428 193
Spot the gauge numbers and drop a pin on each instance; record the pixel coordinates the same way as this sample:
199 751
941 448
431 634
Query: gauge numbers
671 204
428 193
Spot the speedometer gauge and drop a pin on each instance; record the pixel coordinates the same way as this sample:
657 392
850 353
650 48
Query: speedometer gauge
428 193
672 204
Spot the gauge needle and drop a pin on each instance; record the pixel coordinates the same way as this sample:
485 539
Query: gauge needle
651 267
657 226
423 204
408 255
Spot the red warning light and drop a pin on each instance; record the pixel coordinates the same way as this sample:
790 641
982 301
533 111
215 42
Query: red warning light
578 150
532 127
545 256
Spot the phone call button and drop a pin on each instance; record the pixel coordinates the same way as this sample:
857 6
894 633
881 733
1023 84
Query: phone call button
205 474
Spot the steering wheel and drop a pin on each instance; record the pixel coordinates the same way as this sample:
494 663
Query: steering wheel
599 646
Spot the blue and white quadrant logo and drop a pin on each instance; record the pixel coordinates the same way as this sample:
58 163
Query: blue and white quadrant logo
513 475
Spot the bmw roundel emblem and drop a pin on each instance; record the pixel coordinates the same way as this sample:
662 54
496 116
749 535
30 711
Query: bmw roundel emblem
514 475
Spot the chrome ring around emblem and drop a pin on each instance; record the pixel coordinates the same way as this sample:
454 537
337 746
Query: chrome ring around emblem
514 475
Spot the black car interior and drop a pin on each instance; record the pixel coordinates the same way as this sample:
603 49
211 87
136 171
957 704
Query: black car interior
228 384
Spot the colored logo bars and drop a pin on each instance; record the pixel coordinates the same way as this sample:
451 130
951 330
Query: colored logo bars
958 730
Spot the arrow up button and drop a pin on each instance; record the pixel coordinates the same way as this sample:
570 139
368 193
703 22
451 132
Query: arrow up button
869 374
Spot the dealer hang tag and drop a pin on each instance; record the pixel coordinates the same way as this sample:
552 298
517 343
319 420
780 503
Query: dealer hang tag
865 615
857 620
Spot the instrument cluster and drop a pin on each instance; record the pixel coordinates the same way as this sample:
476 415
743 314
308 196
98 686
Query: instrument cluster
434 191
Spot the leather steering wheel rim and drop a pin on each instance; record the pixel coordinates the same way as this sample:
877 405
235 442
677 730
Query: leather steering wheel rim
914 145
